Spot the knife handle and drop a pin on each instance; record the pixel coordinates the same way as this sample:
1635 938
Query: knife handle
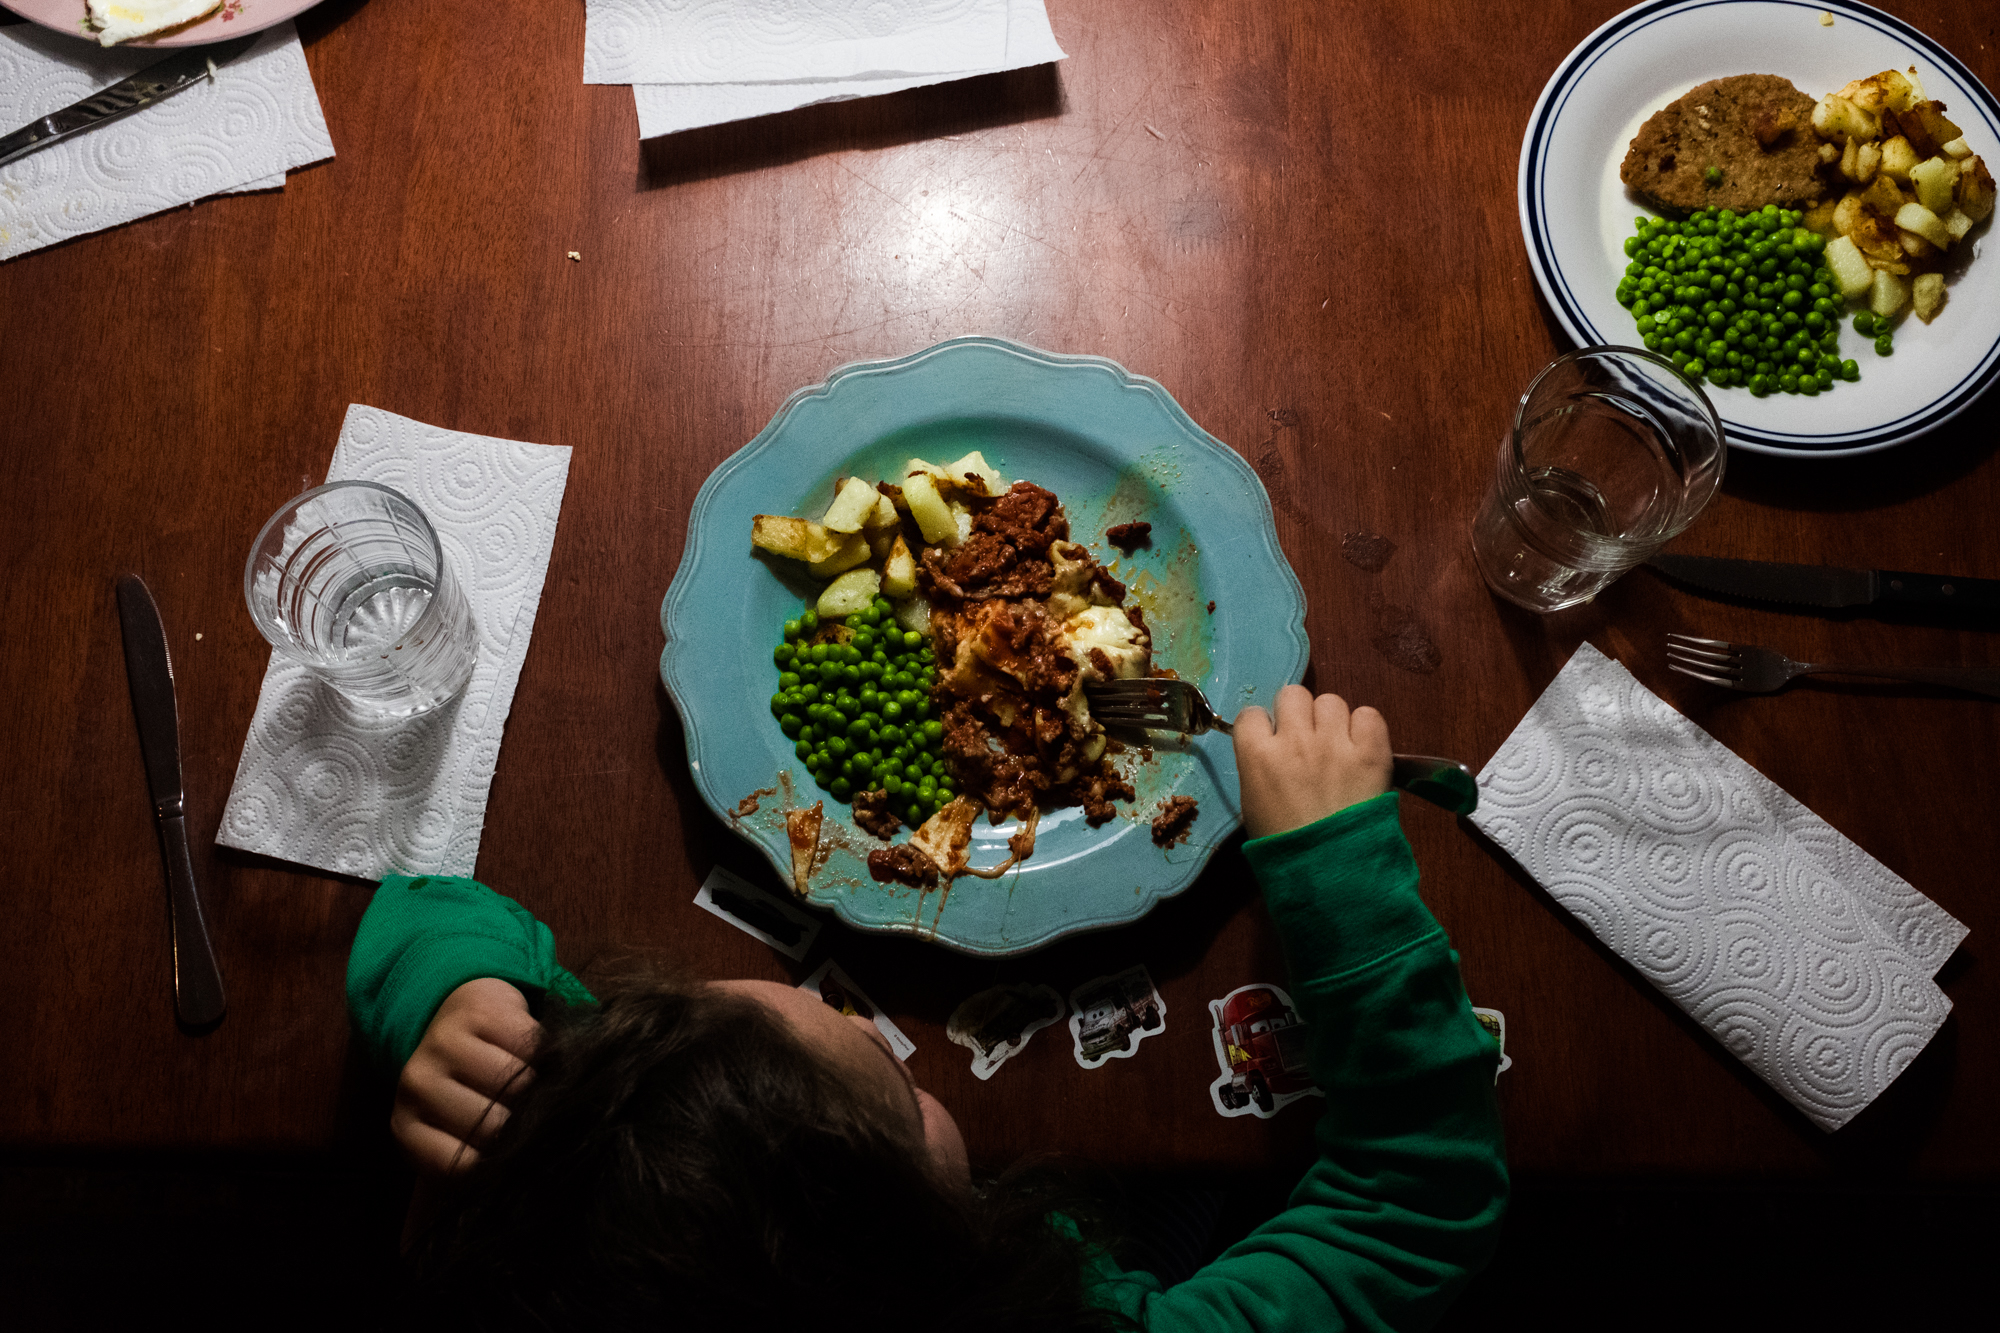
1892 585
198 998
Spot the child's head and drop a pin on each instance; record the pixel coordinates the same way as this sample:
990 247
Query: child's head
735 1155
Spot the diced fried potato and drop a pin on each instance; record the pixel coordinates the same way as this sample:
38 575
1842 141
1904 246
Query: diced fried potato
1819 218
883 515
1849 269
880 541
1956 148
1974 194
1898 157
1850 161
1837 118
853 549
1875 236
1878 90
1868 160
855 502
853 591
1937 128
1916 92
798 538
914 614
1925 223
1882 197
1927 295
895 494
1914 245
962 518
1891 294
1957 222
899 571
1935 182
1828 153
974 464
933 516
1847 213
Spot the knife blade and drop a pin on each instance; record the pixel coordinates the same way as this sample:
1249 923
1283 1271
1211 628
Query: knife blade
198 996
1827 585
148 86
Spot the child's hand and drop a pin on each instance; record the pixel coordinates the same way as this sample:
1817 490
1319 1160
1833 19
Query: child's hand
1321 758
446 1098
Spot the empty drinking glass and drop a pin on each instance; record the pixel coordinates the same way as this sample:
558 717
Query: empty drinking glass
1612 454
350 581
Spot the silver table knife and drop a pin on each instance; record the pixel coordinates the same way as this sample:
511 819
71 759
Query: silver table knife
1828 586
148 86
198 998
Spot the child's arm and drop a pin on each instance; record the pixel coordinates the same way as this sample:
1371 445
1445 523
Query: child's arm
1406 1197
453 1093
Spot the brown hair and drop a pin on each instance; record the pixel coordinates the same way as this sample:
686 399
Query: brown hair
681 1159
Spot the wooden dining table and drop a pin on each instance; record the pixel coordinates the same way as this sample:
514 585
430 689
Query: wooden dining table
1300 218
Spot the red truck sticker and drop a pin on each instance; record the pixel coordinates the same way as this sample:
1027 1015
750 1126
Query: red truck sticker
1112 1015
995 1024
1260 1043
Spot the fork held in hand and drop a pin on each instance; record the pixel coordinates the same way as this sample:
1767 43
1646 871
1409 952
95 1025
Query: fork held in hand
1176 705
1760 671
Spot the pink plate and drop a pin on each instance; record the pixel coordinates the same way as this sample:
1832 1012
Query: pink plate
235 18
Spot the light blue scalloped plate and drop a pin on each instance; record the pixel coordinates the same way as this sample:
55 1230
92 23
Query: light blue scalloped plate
1116 447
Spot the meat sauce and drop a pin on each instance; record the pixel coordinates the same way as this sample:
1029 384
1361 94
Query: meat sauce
1175 820
1010 737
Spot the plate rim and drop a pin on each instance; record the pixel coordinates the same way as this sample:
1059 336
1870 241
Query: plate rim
1576 325
186 37
1289 631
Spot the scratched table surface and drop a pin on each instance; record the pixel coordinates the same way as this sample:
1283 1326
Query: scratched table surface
1298 217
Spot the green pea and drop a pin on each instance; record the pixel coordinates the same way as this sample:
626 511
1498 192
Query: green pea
912 639
840 789
1884 346
803 749
809 621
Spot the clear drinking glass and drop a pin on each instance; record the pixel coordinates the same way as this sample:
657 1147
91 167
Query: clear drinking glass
350 581
1612 454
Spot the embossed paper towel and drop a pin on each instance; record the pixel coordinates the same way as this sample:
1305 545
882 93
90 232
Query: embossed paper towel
257 120
1809 960
325 784
667 108
761 41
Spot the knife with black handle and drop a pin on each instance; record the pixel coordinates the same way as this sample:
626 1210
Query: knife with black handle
141 90
1825 585
198 997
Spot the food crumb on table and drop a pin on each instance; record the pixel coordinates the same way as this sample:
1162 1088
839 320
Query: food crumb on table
576 256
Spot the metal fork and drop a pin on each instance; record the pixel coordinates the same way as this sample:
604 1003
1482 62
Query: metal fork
1160 704
1760 670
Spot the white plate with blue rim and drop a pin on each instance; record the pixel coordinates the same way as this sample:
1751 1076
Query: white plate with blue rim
1576 212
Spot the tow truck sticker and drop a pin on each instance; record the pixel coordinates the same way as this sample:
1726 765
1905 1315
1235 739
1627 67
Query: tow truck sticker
1113 1015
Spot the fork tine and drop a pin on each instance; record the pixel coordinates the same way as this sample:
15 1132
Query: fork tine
1699 643
1676 653
1713 680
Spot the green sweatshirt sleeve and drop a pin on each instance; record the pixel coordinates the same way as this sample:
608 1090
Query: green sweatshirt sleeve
424 937
1406 1198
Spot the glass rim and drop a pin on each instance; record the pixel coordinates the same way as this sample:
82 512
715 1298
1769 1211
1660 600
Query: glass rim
290 507
1710 416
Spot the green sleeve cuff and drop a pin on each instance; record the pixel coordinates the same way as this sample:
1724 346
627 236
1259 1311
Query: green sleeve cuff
1342 891
425 936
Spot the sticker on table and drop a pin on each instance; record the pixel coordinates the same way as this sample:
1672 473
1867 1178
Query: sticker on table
995 1024
1260 1043
756 912
1113 1015
1495 1024
838 990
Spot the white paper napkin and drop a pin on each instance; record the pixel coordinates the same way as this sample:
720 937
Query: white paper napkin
323 783
1807 958
668 108
258 119
756 41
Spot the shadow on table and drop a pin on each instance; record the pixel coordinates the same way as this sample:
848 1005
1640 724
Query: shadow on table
962 106
324 17
1881 1140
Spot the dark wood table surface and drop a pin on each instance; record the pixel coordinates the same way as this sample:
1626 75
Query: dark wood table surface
1300 218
